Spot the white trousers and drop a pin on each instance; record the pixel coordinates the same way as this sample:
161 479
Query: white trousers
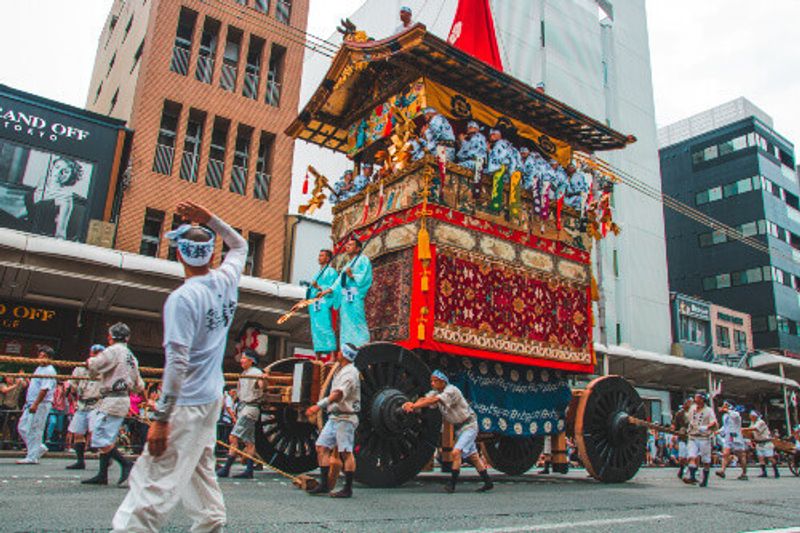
31 428
184 473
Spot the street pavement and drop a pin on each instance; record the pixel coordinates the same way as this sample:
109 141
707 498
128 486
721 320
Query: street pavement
46 497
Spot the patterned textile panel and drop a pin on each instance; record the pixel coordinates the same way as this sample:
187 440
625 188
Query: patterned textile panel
388 303
491 305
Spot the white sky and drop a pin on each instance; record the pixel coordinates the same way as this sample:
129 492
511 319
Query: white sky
704 52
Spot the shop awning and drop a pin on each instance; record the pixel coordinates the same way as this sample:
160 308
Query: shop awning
659 371
56 272
771 363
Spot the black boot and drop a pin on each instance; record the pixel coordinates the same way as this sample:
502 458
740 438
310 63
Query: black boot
248 471
692 476
546 469
80 451
102 476
125 465
450 488
487 482
225 470
704 483
763 471
322 488
775 469
680 471
347 491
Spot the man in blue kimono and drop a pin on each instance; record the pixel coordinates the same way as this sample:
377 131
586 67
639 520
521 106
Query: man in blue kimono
438 131
350 290
322 334
502 153
532 165
344 187
555 179
364 178
576 188
473 147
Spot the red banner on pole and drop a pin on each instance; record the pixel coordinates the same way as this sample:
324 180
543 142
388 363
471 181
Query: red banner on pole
473 32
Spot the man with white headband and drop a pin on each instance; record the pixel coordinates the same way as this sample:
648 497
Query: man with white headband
406 20
702 423
680 424
763 441
436 132
456 411
732 440
178 463
342 405
473 147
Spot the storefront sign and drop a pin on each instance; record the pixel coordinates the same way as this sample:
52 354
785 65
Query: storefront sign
33 319
694 309
38 127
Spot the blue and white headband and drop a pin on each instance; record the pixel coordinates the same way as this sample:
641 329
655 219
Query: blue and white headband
755 413
349 352
405 9
441 375
194 253
428 110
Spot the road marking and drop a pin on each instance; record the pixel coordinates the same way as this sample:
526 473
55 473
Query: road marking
569 525
794 529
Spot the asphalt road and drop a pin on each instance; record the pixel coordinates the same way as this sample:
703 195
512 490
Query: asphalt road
48 498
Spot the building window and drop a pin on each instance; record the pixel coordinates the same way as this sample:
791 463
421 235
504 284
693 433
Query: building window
252 70
99 90
263 166
172 253
111 64
137 55
691 330
283 11
208 50
740 340
127 29
192 142
241 157
275 75
225 247
113 101
216 157
151 232
255 247
230 59
723 337
262 5
165 146
182 49
615 260
619 333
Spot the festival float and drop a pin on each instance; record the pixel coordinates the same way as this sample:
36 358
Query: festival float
469 276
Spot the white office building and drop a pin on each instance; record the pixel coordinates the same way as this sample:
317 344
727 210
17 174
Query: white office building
593 55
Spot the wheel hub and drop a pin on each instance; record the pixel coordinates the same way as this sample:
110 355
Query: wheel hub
619 427
387 412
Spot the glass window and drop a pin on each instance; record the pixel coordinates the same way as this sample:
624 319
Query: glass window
731 189
782 324
697 157
740 340
749 229
705 240
739 143
751 139
745 185
702 198
726 148
709 283
151 232
718 237
754 275
767 273
715 194
777 274
723 281
723 337
710 153
756 183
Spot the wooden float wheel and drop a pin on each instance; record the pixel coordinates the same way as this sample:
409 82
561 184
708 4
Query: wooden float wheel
513 455
392 447
284 436
611 449
794 463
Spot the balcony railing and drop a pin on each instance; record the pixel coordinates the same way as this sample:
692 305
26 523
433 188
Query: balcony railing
227 78
273 93
251 80
189 166
180 60
239 179
162 163
214 173
205 69
261 188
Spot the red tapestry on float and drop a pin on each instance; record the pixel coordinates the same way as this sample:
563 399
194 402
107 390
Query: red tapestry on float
496 306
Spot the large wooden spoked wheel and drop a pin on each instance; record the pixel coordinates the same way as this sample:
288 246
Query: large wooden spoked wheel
513 455
794 463
391 446
284 437
611 449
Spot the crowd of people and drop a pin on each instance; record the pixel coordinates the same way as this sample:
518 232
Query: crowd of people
543 177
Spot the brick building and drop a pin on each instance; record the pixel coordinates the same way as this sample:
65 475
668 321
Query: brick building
208 86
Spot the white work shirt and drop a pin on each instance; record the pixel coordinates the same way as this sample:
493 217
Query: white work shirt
347 380
37 385
732 425
248 389
700 418
761 431
453 405
197 316
87 390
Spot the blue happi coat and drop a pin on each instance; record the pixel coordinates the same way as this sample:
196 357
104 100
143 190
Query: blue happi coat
350 295
439 132
322 334
576 186
503 153
531 168
471 149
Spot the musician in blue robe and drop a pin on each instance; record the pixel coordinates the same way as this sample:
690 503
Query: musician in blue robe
350 290
576 188
502 153
438 132
322 333
531 166
473 147
343 188
555 177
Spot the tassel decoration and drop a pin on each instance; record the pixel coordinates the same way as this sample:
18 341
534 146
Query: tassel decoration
423 244
305 184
